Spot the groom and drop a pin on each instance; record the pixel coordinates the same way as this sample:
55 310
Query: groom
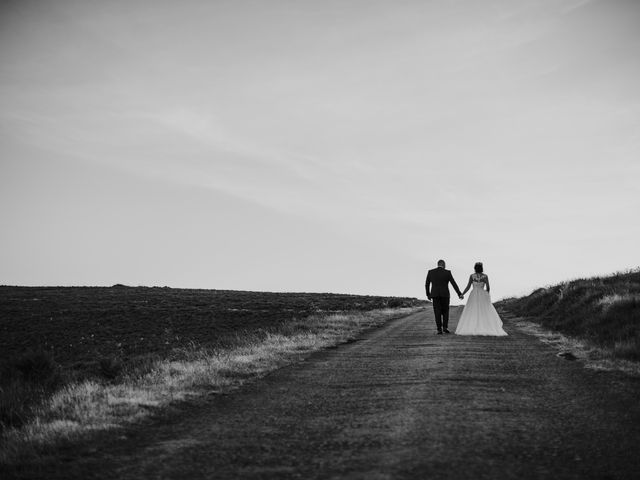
439 294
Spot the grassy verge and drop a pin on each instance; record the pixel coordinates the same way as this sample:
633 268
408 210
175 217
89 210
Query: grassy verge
601 312
572 348
78 408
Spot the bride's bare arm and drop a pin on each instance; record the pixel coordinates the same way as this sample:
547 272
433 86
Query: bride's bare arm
468 285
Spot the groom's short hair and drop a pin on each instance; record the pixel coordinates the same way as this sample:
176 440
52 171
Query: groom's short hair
441 263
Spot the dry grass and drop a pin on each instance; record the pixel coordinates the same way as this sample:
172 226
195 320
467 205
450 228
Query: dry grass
604 312
592 356
83 407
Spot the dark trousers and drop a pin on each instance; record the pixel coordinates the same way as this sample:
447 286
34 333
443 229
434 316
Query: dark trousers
441 310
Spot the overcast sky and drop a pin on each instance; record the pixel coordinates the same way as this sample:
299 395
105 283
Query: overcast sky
327 145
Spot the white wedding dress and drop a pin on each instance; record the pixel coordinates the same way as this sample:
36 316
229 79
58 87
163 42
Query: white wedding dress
479 316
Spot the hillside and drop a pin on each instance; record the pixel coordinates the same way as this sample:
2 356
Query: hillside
604 311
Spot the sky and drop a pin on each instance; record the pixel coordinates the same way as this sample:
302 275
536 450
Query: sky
321 146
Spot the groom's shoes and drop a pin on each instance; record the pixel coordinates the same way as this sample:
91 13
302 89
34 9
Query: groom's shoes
439 332
446 331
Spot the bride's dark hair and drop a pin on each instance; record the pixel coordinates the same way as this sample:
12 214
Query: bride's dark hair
478 267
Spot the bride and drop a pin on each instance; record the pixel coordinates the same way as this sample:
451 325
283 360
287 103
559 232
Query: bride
479 317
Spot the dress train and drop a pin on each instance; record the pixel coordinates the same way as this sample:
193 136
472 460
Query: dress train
479 316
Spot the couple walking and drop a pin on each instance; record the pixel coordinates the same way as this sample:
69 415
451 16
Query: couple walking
479 317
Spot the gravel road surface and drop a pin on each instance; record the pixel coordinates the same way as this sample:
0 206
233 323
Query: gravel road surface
401 402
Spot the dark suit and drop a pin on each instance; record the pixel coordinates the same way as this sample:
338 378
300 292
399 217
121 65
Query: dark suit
439 280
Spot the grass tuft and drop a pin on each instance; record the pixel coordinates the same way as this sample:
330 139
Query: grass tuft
24 383
36 366
110 367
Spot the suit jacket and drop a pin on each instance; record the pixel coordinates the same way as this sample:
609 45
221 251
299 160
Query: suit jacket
440 279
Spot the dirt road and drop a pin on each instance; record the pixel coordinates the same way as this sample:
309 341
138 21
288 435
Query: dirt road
401 402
